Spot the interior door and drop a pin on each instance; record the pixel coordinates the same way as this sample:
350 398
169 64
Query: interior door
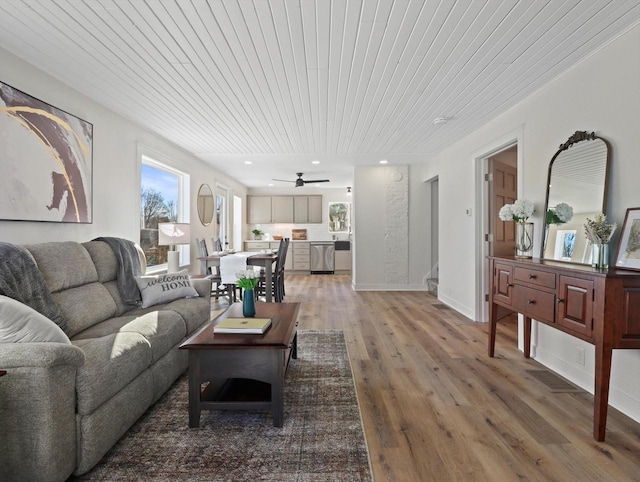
503 189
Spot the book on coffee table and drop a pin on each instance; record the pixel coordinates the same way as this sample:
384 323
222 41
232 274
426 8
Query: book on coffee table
254 326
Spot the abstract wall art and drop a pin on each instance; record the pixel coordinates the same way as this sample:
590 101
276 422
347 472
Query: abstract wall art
46 161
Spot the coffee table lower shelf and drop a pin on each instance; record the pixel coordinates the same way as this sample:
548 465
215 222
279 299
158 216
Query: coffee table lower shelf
236 394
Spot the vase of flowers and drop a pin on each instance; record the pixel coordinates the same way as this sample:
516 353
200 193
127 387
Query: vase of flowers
520 211
248 280
599 233
257 234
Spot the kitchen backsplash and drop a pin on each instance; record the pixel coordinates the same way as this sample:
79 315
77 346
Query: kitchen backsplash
315 232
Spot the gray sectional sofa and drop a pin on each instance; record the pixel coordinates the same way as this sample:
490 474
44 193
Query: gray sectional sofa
64 405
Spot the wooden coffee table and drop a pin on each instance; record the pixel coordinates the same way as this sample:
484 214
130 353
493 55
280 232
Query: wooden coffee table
244 372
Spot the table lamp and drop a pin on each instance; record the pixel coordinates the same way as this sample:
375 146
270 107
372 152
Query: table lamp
170 234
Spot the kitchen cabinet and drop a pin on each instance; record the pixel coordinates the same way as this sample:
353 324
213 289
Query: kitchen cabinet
300 256
301 209
343 260
257 246
308 209
282 209
599 307
343 255
259 209
315 209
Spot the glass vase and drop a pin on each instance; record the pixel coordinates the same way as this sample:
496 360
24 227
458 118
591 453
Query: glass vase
524 240
600 256
248 304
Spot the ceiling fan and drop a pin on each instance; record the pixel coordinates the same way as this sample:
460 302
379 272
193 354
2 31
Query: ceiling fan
301 182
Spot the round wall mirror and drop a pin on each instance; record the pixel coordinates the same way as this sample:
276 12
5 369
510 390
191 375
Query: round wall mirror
576 190
205 204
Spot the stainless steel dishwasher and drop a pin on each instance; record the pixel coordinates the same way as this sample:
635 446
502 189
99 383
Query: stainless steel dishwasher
322 257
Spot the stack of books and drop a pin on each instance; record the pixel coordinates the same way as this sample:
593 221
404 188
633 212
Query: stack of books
252 326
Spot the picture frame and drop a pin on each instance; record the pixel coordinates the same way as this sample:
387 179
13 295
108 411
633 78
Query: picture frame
47 161
628 254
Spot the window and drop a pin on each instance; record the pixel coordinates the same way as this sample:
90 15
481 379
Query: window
163 198
221 216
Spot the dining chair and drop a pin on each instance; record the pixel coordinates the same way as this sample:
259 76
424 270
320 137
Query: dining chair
218 289
277 279
217 244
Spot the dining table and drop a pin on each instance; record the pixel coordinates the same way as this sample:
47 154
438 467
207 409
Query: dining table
265 260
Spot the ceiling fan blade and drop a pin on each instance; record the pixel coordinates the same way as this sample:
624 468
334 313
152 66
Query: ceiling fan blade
317 180
282 180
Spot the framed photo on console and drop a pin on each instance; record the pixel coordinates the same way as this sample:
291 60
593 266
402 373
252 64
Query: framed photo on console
628 256
47 161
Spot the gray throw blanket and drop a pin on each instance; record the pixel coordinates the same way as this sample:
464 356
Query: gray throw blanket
21 280
128 268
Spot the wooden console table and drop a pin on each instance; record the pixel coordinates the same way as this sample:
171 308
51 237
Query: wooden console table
599 307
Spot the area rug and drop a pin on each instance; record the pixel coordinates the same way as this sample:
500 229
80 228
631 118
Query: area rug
322 438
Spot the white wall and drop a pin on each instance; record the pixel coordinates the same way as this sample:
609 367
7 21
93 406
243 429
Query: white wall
117 145
370 205
602 94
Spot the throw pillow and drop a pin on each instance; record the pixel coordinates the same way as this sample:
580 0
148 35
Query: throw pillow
165 288
22 324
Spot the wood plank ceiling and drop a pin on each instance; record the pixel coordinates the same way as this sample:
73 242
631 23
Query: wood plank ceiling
285 82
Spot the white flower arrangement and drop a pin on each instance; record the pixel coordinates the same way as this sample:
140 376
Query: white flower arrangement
248 279
562 213
519 211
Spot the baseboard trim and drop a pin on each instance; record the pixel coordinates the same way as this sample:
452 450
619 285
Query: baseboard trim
377 287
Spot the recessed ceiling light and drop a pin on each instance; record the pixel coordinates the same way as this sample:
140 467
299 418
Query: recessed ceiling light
315 162
248 162
440 120
270 184
383 161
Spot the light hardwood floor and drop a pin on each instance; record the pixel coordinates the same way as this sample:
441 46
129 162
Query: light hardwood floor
436 408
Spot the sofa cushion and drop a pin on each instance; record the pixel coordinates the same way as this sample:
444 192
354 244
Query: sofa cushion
165 288
64 264
112 361
22 324
85 306
194 311
162 329
103 259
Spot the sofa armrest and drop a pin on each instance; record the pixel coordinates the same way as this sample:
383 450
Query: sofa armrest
40 355
37 409
202 286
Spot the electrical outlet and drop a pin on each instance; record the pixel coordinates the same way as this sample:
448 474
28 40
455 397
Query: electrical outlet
580 356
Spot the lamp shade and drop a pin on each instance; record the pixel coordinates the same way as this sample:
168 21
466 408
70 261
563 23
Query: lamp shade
173 233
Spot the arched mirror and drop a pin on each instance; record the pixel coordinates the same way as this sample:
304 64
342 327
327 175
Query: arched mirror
205 204
576 190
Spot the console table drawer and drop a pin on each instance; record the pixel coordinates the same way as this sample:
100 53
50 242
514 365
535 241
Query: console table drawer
535 277
534 303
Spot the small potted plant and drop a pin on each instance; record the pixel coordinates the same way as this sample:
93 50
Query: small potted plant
257 234
248 280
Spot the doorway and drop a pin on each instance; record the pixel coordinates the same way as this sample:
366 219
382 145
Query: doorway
502 189
504 151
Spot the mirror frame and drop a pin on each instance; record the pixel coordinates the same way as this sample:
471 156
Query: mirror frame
578 136
200 208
